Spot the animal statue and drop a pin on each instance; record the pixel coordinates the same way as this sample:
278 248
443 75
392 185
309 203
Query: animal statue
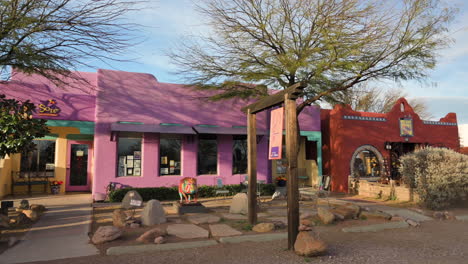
187 189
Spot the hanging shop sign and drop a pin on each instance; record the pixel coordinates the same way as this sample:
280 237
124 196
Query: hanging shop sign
276 133
406 127
49 108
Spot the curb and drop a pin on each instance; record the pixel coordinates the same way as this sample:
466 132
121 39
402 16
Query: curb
253 238
462 217
375 228
121 250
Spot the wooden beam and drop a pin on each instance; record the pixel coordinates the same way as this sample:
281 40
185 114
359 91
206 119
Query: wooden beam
275 99
292 146
252 167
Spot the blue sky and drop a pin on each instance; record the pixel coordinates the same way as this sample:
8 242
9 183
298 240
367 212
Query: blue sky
166 22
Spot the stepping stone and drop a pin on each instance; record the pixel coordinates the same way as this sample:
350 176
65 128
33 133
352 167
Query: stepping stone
284 220
375 228
203 219
187 231
234 216
223 230
409 214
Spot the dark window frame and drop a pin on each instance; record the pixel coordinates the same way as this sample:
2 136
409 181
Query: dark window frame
207 171
167 165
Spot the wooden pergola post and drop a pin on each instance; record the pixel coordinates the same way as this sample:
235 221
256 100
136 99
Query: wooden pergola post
252 166
291 173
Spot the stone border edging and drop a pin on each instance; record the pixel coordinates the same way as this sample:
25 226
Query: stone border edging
375 228
462 217
254 238
121 250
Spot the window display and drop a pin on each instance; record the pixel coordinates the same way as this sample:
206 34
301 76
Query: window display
129 154
169 150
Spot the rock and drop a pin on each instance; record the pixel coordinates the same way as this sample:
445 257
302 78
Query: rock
24 204
306 215
135 225
38 208
223 230
12 241
153 213
449 215
159 240
304 228
4 221
306 222
279 225
105 234
376 214
239 204
412 222
307 245
203 219
132 199
263 227
33 215
119 218
439 215
150 235
234 216
187 231
325 215
22 219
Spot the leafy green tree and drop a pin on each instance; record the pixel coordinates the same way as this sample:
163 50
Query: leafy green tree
17 127
331 45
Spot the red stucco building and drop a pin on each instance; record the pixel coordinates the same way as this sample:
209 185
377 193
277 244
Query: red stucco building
367 145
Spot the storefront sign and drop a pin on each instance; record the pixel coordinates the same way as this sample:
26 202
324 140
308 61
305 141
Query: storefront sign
276 133
49 108
406 127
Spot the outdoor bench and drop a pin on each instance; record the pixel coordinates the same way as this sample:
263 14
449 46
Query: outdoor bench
29 179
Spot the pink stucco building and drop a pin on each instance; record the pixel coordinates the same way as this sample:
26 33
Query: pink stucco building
129 128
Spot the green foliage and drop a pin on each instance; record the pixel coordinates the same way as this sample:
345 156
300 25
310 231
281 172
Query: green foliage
171 193
17 127
247 227
439 176
329 45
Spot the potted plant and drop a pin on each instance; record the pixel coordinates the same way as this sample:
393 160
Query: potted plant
55 186
281 181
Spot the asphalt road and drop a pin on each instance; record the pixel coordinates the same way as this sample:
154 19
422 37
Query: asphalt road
432 242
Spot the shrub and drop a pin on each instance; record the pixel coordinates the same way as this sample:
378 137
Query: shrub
172 193
439 176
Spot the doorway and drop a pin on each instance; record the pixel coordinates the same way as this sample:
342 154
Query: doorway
399 149
79 159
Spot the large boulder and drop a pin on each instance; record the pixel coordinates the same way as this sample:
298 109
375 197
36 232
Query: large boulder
24 204
22 219
105 234
153 213
38 208
307 245
31 214
239 204
132 199
263 227
119 218
375 215
151 235
325 215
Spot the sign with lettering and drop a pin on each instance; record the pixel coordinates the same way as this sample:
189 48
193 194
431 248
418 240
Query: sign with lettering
406 127
49 108
276 133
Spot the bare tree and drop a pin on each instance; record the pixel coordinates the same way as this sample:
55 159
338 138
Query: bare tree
331 45
371 99
53 37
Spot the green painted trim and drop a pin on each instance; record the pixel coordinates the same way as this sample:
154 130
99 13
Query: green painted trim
85 127
49 137
316 136
128 122
80 137
207 125
170 124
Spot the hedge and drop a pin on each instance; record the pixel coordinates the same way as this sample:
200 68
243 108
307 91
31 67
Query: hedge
171 193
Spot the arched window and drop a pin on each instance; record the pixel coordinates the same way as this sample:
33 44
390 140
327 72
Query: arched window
366 162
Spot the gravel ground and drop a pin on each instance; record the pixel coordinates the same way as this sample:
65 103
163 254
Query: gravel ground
432 242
